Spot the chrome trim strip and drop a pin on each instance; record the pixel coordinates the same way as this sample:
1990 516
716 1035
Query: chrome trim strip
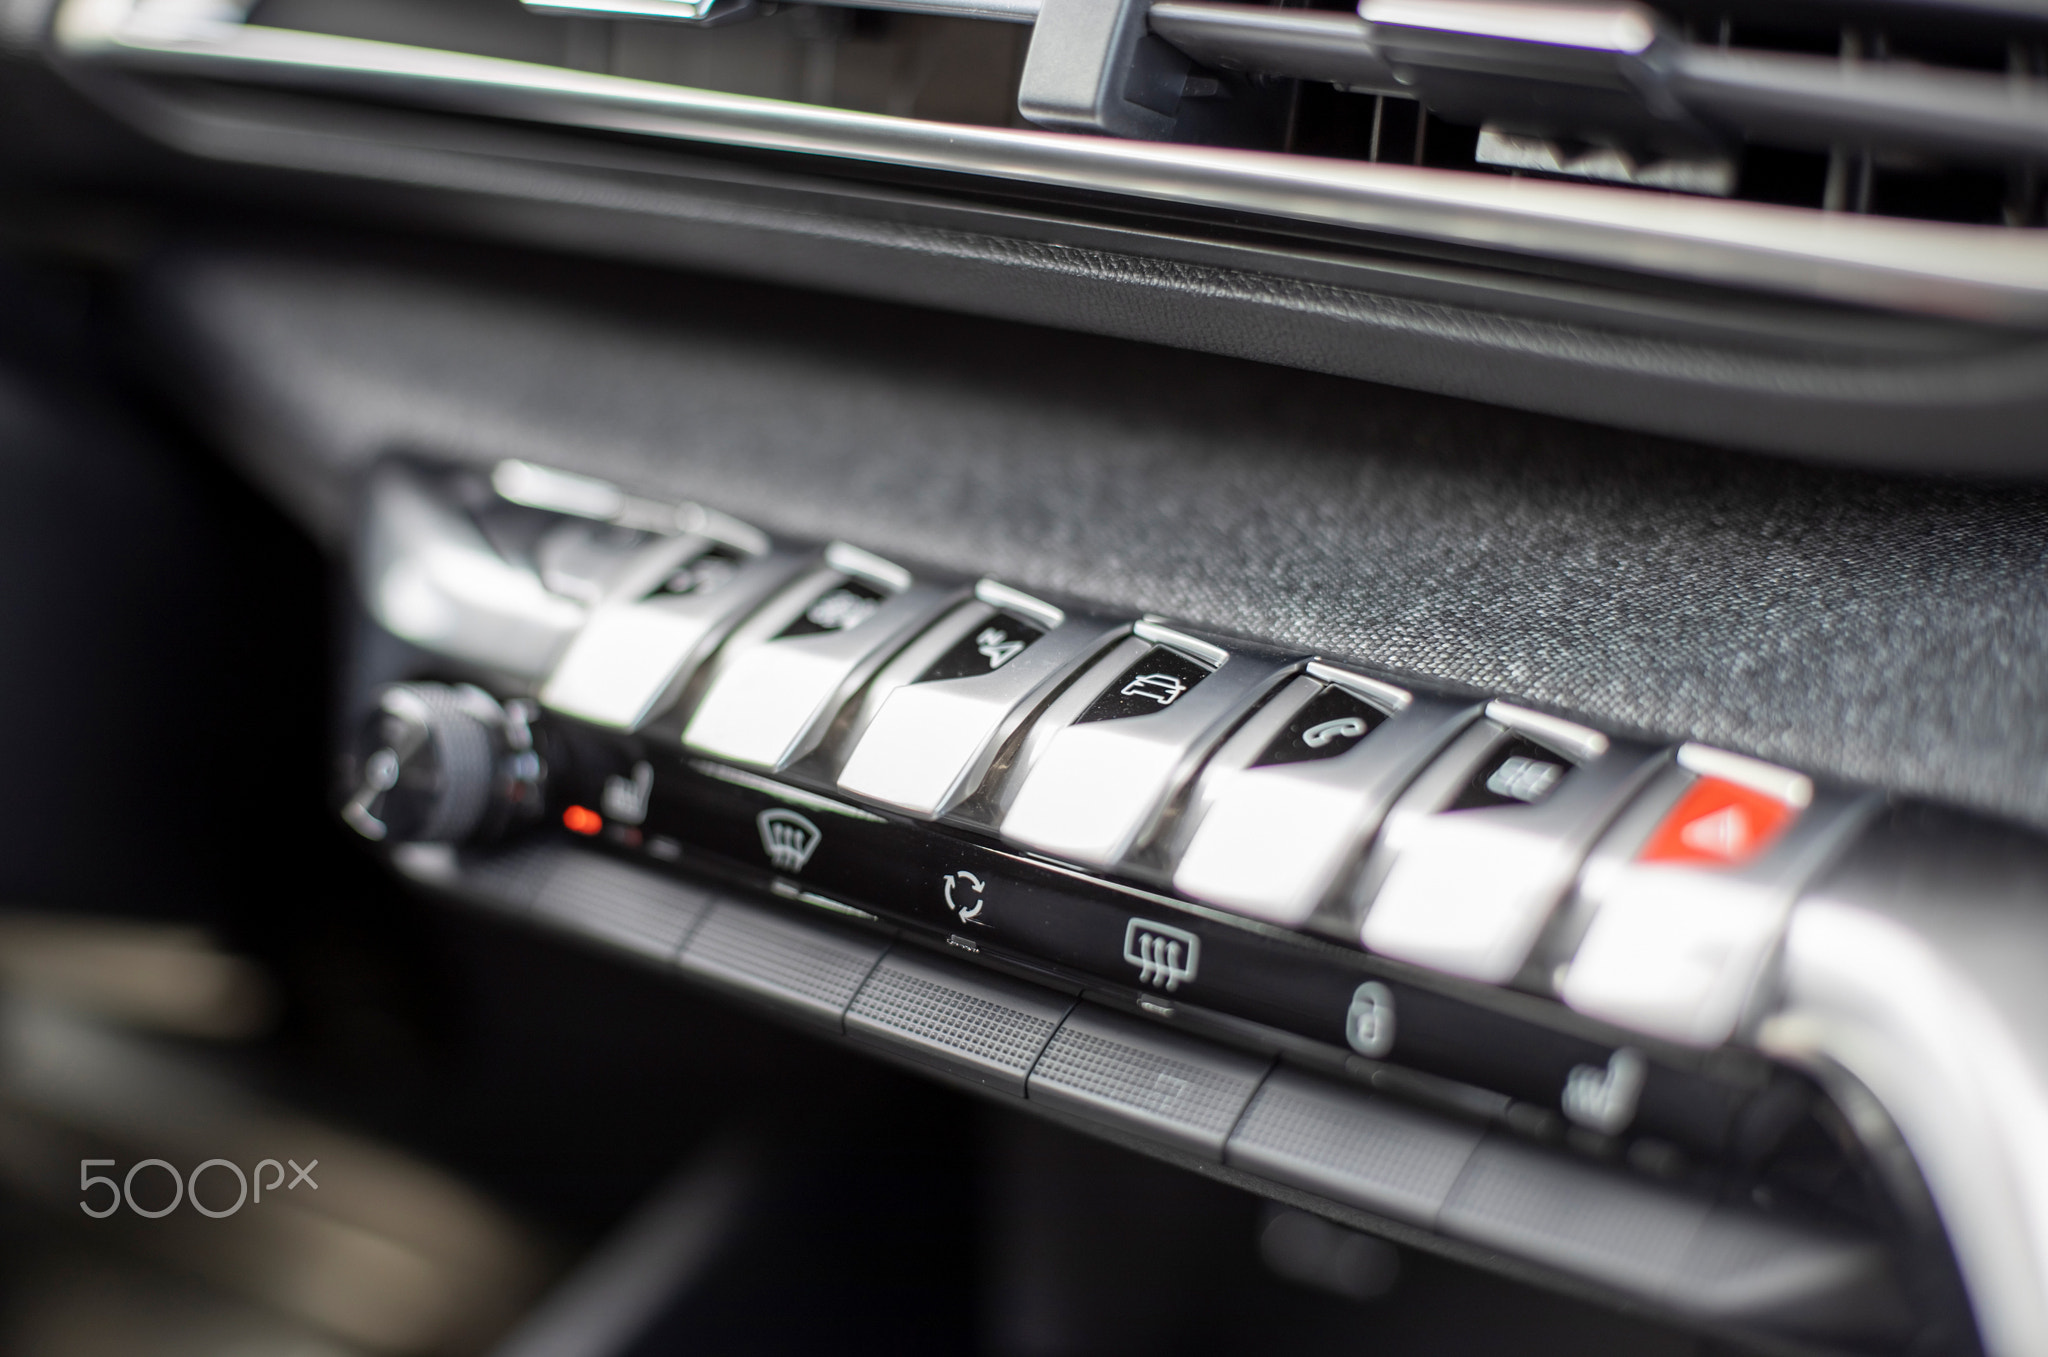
1871 994
1156 631
1794 789
1570 736
1988 274
1005 11
1914 966
685 11
999 595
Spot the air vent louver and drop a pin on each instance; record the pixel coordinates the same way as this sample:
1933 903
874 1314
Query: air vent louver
1894 114
1830 115
1294 119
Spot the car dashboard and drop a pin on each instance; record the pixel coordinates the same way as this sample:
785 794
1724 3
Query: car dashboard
1032 677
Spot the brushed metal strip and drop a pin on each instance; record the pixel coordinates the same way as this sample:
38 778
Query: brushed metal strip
1006 11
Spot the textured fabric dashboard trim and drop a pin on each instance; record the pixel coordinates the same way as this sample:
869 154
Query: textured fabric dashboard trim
1885 629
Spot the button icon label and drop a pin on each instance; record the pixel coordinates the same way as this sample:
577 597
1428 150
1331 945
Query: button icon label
1164 689
1155 680
1001 639
838 609
626 800
788 838
1369 1026
703 574
1329 724
1727 833
967 903
1519 772
1524 779
1343 728
1718 823
998 647
1604 1100
1164 955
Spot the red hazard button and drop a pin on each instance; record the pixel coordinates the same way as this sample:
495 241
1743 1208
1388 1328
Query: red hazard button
1718 823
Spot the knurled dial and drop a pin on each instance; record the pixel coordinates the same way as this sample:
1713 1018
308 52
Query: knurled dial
442 763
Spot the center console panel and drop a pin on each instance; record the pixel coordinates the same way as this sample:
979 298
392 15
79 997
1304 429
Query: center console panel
1434 962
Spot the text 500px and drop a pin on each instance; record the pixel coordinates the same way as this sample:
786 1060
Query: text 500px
268 1176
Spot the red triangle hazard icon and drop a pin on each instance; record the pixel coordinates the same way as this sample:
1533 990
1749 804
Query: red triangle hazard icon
1724 834
1718 823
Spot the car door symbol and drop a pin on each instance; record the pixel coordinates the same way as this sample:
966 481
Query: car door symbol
1161 688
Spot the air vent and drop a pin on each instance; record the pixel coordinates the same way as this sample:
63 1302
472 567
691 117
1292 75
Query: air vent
1897 113
1894 165
942 67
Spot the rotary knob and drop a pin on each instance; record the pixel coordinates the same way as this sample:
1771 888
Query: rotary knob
442 763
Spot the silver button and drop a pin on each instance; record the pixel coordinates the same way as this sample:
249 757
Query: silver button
1289 803
429 576
785 673
1686 898
1475 857
935 719
1107 759
665 614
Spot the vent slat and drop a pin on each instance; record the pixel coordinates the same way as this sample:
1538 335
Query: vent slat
1302 172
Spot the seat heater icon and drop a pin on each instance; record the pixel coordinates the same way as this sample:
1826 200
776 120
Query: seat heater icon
626 800
1164 955
788 838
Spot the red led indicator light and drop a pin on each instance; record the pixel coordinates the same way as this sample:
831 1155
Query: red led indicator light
582 820
1718 823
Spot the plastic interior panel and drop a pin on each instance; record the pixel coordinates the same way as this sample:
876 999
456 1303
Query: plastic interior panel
1126 1072
984 1027
766 955
630 908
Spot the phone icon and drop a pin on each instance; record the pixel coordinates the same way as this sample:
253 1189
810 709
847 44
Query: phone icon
1343 728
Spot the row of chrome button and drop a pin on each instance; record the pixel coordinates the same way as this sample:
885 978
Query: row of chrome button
1641 885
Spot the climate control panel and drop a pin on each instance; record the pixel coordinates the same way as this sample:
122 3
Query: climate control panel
1222 778
1582 939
